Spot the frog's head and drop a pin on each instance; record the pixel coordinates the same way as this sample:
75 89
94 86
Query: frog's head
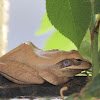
73 64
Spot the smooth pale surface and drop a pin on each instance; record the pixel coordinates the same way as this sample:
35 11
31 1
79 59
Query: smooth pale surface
25 20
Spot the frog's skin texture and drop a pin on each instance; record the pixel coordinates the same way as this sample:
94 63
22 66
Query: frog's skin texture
27 64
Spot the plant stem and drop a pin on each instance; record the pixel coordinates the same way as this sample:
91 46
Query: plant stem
94 48
95 62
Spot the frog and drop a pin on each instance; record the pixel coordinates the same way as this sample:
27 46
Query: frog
28 64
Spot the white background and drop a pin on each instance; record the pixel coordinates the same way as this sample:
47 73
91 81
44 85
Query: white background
24 20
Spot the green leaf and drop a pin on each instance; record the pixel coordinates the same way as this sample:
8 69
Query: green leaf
99 40
76 96
99 57
73 97
85 48
93 22
70 17
99 46
96 6
87 37
94 87
58 41
45 25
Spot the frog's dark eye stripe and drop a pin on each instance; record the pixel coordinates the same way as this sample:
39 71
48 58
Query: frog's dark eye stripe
78 59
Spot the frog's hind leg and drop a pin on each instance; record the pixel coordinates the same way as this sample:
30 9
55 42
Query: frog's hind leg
20 73
13 79
52 78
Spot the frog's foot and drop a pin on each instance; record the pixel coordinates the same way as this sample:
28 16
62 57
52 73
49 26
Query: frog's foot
20 73
62 90
52 78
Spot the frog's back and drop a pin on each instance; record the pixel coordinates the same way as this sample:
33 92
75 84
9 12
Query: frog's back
33 56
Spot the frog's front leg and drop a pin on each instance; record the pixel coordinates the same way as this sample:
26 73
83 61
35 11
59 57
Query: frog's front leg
20 73
52 78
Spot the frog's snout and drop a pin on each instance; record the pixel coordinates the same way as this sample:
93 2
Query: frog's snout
75 64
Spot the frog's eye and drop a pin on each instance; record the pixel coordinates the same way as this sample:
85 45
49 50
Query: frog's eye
66 63
78 59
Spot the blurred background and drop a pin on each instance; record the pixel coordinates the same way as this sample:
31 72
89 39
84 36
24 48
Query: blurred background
24 20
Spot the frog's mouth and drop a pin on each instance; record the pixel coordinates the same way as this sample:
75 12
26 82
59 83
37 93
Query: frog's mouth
75 64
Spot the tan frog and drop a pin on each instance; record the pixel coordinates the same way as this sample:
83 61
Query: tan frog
27 64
